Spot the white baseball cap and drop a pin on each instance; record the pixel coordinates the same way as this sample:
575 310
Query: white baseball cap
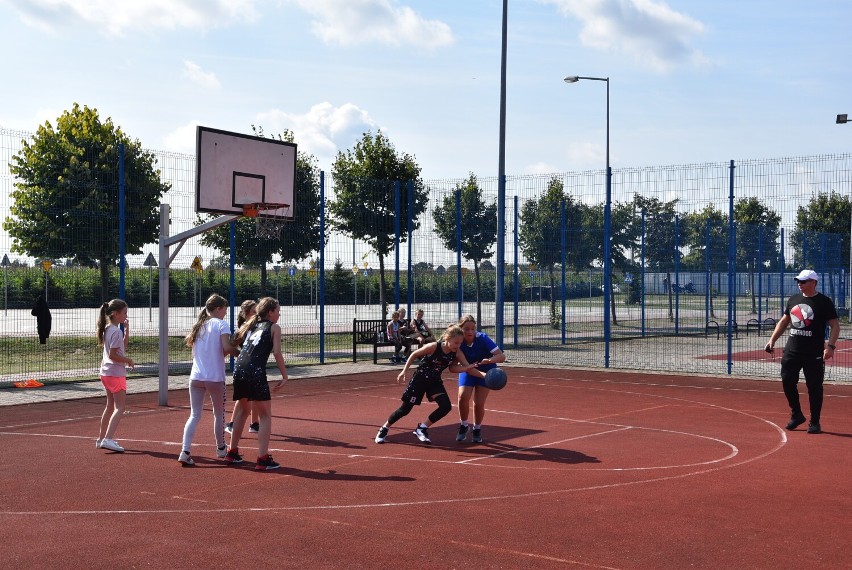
807 274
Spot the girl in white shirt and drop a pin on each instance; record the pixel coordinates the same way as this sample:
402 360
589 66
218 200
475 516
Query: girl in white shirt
210 340
113 368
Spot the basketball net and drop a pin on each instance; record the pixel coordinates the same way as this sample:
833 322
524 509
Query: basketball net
268 217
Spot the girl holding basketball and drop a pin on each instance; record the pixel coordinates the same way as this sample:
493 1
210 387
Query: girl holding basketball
210 341
113 368
436 357
479 349
247 309
260 336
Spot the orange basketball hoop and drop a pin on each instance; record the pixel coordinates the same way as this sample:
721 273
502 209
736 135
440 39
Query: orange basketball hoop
269 218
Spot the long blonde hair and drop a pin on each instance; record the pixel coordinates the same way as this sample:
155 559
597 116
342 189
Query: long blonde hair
264 307
107 309
213 302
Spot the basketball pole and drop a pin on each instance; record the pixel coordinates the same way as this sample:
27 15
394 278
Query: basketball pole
165 262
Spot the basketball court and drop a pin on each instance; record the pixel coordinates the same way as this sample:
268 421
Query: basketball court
587 469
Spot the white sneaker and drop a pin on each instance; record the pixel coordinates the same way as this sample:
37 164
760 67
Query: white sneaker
222 451
98 443
422 434
185 458
112 445
382 435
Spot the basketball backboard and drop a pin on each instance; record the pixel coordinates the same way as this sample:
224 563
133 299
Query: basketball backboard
235 169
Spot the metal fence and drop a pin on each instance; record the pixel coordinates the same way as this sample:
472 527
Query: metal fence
687 294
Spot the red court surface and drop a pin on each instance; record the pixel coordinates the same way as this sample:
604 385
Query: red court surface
585 469
842 356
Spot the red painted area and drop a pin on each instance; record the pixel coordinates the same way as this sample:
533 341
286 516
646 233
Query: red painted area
579 469
842 356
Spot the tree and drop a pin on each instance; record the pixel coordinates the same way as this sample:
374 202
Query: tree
299 237
478 227
757 237
659 237
825 213
364 206
66 197
540 233
708 227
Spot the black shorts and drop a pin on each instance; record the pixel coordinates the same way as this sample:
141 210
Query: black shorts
250 382
421 384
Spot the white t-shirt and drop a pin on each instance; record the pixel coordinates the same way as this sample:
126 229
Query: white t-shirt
113 338
208 360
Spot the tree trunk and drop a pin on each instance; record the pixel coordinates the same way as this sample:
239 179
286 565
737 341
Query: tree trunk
382 302
263 280
669 294
105 265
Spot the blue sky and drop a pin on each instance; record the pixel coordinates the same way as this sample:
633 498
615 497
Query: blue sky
690 81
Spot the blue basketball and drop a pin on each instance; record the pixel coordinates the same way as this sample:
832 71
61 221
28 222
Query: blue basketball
495 379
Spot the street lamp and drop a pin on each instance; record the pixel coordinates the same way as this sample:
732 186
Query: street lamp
607 218
843 119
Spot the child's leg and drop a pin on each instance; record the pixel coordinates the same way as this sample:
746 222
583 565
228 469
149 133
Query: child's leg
465 394
479 397
264 417
240 413
444 408
217 400
399 413
108 410
118 411
196 406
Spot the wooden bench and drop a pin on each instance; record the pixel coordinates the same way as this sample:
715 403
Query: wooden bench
369 332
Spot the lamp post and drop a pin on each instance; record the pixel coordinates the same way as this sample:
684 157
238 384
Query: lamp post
607 219
842 120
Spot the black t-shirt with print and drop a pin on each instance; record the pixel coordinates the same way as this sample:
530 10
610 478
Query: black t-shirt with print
808 318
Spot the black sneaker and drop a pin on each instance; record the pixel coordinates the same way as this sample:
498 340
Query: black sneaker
266 463
383 433
233 457
422 434
462 432
254 428
477 435
795 421
814 427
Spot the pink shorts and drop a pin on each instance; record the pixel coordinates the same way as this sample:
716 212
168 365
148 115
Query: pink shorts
114 384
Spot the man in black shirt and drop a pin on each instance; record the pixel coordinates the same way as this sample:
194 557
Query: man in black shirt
807 314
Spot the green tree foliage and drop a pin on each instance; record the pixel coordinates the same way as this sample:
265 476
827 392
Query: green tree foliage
540 236
757 238
364 205
67 184
659 237
299 237
825 213
478 227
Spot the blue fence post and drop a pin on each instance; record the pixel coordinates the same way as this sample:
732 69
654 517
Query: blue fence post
232 277
460 285
642 272
783 263
517 280
122 222
321 293
759 274
563 245
410 280
397 188
677 274
708 288
607 261
732 269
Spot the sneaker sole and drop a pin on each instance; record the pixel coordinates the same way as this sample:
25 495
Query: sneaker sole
266 467
422 439
794 424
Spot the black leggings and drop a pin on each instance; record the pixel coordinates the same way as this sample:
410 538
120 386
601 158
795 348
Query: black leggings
814 371
444 408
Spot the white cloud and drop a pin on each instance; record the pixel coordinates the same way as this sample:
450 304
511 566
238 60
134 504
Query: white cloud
323 130
116 18
182 139
194 73
541 168
648 30
353 22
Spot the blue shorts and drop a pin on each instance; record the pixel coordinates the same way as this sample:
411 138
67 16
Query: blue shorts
466 379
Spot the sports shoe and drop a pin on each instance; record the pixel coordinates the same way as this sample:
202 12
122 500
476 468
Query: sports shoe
98 443
462 432
477 435
795 421
185 458
233 457
112 445
254 428
383 433
229 427
422 434
221 452
266 463
814 427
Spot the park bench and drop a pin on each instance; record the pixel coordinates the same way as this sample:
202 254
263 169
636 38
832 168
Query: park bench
369 332
760 326
714 325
